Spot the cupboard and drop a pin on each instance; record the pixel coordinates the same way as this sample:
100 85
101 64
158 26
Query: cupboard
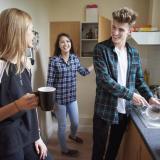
85 35
92 33
133 147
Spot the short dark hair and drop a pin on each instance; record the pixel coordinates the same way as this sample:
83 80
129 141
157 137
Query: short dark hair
125 15
57 50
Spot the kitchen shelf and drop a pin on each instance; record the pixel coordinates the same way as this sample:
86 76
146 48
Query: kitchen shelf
89 39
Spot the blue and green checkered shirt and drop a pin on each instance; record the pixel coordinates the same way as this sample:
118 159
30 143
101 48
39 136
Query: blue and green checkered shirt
62 76
108 90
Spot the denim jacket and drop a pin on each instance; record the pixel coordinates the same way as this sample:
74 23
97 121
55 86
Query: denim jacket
108 90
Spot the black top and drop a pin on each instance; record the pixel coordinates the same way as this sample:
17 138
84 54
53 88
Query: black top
20 129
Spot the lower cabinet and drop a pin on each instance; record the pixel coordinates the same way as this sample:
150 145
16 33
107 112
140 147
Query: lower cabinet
132 146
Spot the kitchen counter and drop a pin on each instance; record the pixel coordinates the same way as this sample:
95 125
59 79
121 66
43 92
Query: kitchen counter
150 136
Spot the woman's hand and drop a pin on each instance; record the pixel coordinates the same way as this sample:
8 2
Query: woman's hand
28 101
41 149
90 68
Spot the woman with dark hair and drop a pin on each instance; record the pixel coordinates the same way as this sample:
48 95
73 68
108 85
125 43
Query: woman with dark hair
62 75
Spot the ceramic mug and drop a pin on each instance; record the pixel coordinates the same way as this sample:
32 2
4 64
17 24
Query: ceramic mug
46 98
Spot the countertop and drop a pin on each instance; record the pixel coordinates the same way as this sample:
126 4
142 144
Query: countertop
151 136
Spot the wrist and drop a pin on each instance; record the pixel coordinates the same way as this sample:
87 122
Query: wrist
17 106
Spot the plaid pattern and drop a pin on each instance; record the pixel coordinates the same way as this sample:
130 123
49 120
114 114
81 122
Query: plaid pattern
108 90
62 76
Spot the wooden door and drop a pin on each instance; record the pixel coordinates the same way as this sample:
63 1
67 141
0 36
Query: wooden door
71 28
104 29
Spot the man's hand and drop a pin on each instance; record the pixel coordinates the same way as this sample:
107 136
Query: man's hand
154 101
139 100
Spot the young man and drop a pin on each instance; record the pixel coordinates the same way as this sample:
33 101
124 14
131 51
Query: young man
118 75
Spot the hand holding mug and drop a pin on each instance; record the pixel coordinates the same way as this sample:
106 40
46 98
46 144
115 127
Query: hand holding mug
28 101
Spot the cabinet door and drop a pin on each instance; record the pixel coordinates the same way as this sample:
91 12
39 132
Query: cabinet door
133 147
144 153
104 29
129 148
71 28
131 144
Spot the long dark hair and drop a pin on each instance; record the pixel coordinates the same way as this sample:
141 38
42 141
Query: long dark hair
57 50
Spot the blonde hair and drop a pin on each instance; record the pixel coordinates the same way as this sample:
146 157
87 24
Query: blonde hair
13 44
125 15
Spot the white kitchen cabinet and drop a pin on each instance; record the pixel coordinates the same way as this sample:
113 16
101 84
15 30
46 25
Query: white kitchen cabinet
146 38
92 33
89 38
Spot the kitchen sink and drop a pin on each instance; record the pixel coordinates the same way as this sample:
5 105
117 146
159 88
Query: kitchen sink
146 120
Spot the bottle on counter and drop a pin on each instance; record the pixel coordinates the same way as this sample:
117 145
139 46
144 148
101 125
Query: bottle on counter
146 76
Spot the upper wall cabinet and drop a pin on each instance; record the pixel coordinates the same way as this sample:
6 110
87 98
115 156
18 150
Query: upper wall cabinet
92 33
89 38
146 38
71 28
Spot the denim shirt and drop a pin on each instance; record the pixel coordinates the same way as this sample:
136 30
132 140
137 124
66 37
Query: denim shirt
108 90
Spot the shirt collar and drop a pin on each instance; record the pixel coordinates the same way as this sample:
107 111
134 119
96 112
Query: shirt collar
62 60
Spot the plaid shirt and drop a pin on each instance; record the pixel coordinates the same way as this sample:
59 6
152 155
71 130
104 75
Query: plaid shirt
108 90
62 76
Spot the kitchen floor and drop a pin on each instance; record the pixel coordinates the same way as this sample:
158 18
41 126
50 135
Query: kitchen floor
84 149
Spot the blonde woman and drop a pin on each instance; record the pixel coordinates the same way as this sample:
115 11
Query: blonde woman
19 133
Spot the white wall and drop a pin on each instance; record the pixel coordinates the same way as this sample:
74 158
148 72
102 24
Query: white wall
60 10
154 16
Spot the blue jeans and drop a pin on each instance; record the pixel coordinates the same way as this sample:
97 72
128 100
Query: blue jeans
61 113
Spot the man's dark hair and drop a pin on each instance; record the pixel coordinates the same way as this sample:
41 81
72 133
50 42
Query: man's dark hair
125 15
